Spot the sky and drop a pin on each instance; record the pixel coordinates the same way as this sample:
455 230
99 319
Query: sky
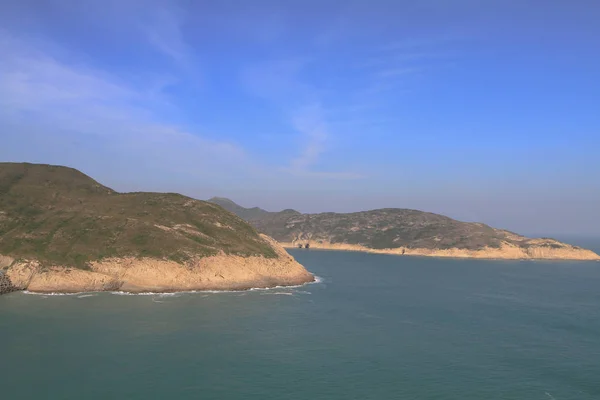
482 110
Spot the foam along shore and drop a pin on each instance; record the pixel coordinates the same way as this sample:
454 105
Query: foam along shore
138 275
537 249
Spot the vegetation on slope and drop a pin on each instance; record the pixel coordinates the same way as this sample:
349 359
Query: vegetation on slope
60 216
387 229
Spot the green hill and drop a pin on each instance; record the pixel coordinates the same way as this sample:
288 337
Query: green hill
405 230
376 229
60 216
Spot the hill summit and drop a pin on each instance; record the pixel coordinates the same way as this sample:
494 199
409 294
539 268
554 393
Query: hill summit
60 230
405 231
248 214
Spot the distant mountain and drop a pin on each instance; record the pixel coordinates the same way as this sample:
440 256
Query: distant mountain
248 214
403 231
55 219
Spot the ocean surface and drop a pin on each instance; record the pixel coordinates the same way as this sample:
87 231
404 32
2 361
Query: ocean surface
374 327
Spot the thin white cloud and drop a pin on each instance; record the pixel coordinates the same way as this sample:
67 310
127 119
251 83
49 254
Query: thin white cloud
410 44
162 23
315 133
379 60
31 79
278 82
309 122
42 96
156 24
391 72
325 174
393 67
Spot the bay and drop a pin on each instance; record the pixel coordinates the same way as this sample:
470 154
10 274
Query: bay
373 327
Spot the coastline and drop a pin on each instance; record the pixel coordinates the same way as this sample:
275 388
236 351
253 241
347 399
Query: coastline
316 279
506 252
139 275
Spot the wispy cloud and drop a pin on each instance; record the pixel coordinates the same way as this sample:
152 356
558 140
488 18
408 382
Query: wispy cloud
157 25
410 44
344 176
43 96
400 71
395 66
162 24
315 132
309 122
389 71
279 82
378 60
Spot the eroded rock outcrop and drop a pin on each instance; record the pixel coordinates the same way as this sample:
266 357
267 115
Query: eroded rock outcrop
6 285
220 272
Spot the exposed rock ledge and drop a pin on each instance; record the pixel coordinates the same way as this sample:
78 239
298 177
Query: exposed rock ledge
221 272
539 249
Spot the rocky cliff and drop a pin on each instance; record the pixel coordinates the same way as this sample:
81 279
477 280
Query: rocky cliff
135 274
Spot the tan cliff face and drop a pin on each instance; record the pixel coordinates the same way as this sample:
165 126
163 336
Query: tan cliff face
220 272
538 249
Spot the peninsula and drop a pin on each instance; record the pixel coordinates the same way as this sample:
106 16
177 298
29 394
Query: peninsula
61 231
401 231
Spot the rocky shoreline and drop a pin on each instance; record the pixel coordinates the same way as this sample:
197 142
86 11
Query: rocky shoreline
137 275
505 252
6 285
402 231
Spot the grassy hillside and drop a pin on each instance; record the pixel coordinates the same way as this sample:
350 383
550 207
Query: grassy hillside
386 229
60 216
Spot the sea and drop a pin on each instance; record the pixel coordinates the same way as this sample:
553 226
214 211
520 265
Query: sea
372 327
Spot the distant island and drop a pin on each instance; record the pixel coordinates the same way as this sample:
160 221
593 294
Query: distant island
61 231
401 231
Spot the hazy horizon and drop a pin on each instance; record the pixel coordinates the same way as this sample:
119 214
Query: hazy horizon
565 236
481 111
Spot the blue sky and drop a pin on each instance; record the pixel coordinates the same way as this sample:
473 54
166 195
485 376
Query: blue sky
481 110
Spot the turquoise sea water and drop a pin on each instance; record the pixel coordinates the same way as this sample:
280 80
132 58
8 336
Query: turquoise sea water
375 327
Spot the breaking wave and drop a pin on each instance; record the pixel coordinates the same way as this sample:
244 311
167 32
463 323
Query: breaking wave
179 293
